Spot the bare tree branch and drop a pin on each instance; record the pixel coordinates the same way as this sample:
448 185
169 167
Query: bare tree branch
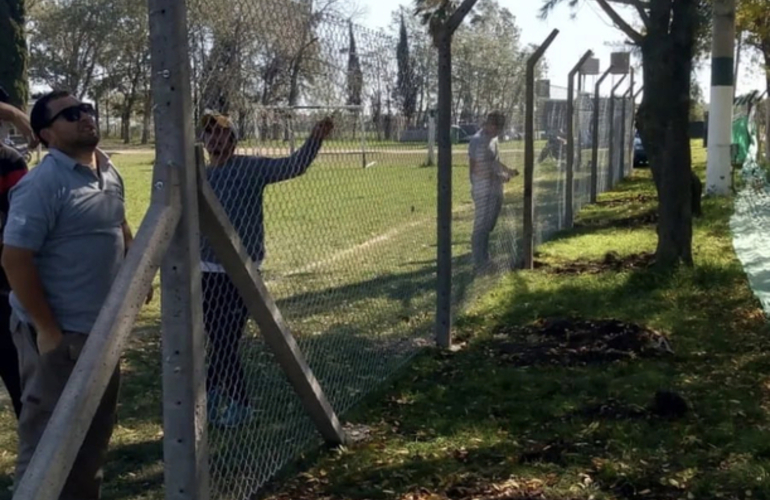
635 3
458 15
619 22
641 7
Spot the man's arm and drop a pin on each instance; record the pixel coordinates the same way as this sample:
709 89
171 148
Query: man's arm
128 240
11 114
510 172
32 215
128 236
272 170
19 266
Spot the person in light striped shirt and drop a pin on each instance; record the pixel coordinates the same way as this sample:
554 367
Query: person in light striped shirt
488 174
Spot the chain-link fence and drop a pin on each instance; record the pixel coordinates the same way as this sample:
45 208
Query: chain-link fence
318 144
582 136
550 163
342 226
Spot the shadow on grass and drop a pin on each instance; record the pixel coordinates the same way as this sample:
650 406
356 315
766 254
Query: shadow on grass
351 356
455 421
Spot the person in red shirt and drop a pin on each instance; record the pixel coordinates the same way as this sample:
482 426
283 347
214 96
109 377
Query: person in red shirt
12 169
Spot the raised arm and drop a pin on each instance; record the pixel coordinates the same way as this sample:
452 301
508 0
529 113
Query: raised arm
19 120
280 169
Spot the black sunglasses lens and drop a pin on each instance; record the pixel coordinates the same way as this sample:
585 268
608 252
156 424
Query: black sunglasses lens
73 113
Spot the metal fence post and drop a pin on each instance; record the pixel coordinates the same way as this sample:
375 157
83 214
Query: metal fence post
444 212
443 41
431 137
611 152
570 181
628 138
634 97
362 130
595 137
623 137
529 152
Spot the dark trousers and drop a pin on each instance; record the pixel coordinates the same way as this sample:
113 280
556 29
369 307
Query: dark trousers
9 356
224 317
43 378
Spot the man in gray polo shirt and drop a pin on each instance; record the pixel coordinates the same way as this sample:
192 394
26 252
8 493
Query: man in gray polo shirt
487 176
65 239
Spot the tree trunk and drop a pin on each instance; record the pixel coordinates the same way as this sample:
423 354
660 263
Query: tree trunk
13 56
738 50
125 126
107 131
766 52
98 118
663 125
146 117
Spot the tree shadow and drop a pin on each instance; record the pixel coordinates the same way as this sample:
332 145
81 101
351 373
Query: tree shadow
458 421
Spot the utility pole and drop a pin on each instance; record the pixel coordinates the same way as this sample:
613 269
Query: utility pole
721 102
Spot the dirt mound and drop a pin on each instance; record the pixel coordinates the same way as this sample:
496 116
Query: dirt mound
512 489
664 404
554 452
569 342
642 219
638 198
611 262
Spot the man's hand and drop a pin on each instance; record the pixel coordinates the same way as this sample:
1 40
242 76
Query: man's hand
23 126
507 173
20 122
48 340
322 129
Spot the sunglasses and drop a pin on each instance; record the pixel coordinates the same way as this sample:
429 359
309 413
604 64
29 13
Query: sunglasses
73 113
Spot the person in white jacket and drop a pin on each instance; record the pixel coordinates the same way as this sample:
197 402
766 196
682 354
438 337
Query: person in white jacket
488 174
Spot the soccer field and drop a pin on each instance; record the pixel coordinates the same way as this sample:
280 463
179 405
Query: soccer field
351 263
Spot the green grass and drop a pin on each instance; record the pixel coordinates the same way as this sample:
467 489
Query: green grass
351 264
457 424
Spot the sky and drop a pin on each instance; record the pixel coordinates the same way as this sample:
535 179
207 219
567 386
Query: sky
590 28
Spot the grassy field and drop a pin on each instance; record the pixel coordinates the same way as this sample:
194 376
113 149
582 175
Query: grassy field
351 263
487 423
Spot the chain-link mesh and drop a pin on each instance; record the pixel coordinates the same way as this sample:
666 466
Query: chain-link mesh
487 213
318 146
549 181
343 226
604 163
582 120
630 116
618 139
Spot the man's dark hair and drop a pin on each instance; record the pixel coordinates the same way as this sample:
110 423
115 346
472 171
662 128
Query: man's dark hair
40 115
4 97
497 119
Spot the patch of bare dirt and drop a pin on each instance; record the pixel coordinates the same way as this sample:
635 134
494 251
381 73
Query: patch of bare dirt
664 404
611 262
638 198
512 489
554 452
570 342
645 218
